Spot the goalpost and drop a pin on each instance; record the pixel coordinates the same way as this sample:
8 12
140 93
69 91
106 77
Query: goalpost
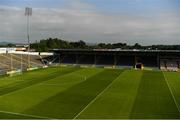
82 76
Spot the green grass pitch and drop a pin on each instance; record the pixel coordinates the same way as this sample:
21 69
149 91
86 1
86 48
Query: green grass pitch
90 93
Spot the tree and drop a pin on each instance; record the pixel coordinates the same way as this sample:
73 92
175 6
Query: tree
137 46
10 45
101 45
55 43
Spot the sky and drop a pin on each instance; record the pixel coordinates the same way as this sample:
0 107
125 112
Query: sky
147 22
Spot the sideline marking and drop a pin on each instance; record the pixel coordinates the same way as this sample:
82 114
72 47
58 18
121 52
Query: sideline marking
97 96
40 83
176 103
25 115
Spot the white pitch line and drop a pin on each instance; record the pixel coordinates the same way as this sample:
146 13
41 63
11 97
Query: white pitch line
25 115
177 105
97 97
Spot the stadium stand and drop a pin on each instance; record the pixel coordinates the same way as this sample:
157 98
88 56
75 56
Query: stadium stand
163 65
148 61
10 62
105 60
68 59
83 59
170 64
154 59
125 61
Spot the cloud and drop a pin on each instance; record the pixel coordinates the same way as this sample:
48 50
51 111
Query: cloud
81 21
77 4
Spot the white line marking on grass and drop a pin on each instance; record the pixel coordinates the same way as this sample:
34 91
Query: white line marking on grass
97 97
177 105
25 115
40 83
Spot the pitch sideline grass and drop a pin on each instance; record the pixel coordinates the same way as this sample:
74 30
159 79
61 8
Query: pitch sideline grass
31 79
17 101
120 95
170 89
173 79
71 101
29 75
118 100
154 99
10 115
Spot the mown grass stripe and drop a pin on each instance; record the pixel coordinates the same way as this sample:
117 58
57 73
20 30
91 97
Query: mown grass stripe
35 80
27 76
23 99
154 99
91 102
117 101
173 79
6 116
177 105
67 104
27 116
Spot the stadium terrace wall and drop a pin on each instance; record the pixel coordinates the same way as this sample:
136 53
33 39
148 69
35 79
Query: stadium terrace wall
162 59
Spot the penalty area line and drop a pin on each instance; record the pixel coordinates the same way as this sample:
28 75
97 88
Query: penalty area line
25 115
97 97
176 103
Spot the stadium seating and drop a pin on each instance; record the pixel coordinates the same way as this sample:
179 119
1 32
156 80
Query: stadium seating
67 59
86 59
10 62
165 60
104 60
148 61
162 65
170 65
125 61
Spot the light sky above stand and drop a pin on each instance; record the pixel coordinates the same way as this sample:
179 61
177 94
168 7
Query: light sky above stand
144 21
